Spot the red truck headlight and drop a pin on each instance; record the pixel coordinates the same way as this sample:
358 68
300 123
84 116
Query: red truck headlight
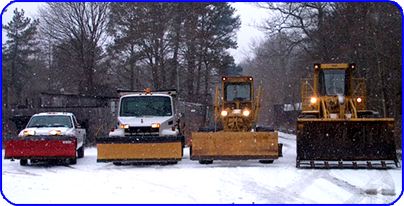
55 132
29 133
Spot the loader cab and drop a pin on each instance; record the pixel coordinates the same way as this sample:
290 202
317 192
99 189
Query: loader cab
237 92
334 79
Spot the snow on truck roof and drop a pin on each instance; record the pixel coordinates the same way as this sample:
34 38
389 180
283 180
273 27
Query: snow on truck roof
53 113
147 92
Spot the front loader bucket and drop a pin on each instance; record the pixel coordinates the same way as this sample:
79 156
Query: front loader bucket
209 146
134 149
359 141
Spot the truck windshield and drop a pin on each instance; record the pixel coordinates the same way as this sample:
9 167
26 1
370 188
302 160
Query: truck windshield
237 91
50 121
334 81
145 106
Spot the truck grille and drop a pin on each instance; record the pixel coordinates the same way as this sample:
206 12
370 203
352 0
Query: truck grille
141 131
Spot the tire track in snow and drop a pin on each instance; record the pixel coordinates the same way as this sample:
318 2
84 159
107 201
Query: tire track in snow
381 182
20 172
282 194
291 193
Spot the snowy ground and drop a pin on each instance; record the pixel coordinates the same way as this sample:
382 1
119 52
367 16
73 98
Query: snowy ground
189 182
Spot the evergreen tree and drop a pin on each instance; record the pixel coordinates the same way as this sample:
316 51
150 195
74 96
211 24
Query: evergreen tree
17 50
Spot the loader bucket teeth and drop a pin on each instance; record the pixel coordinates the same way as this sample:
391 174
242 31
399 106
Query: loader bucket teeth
326 165
358 141
369 165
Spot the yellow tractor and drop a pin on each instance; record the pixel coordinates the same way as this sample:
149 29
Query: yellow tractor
335 128
237 137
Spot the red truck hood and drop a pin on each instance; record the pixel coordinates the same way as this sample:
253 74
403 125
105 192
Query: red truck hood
46 130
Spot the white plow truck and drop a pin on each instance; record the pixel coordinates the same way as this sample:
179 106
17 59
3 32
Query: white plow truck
148 130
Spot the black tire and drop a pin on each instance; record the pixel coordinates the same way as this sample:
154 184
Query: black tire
306 116
206 129
80 152
205 162
182 146
23 162
168 163
266 161
117 163
264 129
72 161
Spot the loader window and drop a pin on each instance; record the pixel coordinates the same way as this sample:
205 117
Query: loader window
237 91
334 81
145 106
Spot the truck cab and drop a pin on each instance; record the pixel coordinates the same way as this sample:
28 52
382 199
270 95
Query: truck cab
148 130
146 114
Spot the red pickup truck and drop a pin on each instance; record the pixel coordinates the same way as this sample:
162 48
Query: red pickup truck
47 136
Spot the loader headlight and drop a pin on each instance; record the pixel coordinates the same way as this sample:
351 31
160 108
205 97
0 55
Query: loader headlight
359 100
29 133
224 113
55 132
313 100
125 126
246 113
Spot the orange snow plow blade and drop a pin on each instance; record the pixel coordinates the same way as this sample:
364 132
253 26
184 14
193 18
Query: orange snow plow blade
234 146
139 149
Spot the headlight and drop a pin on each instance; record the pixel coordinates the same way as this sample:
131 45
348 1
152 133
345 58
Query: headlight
246 113
359 100
125 126
55 132
313 100
29 133
155 125
224 113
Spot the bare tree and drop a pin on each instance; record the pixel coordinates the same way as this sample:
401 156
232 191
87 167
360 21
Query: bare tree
304 21
78 28
367 33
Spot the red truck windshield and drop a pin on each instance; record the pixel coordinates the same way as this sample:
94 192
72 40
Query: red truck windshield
50 121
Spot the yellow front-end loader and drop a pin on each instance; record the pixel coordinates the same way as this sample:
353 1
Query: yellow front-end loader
335 128
236 135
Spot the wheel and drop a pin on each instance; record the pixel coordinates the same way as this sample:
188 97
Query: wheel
206 162
117 163
206 129
23 162
306 116
264 129
72 161
80 152
182 145
168 163
266 161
